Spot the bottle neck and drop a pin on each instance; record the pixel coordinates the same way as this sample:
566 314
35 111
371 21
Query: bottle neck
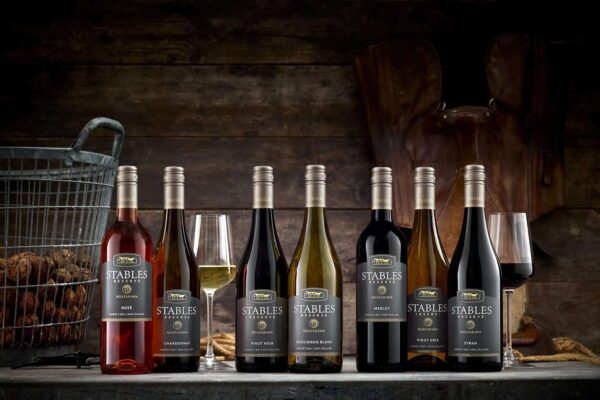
381 215
315 220
173 222
474 220
127 215
127 202
263 222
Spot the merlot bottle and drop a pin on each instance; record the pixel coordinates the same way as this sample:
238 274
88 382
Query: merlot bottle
427 281
261 288
474 288
176 287
381 284
126 280
315 288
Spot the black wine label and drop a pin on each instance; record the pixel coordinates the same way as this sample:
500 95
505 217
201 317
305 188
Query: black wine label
126 288
261 325
427 320
178 315
474 320
315 323
381 290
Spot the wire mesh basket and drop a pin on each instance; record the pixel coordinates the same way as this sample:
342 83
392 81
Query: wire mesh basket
54 205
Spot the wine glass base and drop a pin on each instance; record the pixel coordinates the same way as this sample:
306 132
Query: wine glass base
510 361
215 366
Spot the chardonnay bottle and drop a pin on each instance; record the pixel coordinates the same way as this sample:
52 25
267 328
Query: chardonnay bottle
427 281
176 287
315 288
474 288
381 284
261 288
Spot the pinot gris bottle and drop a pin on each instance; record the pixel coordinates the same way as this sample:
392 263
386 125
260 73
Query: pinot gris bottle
427 281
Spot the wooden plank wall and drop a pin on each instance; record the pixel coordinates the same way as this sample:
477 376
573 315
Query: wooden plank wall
218 87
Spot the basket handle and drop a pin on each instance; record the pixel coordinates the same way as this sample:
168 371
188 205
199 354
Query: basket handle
101 122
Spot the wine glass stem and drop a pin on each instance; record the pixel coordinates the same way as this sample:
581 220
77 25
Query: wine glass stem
509 348
210 356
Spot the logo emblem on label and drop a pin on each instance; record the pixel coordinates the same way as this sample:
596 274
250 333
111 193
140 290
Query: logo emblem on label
471 295
127 260
427 293
262 296
177 325
126 289
262 325
428 322
315 294
381 290
470 324
313 323
381 261
180 296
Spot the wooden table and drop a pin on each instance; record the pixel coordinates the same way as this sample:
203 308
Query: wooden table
544 381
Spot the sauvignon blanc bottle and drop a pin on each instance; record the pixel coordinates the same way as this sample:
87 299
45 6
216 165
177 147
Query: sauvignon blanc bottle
176 287
474 288
126 279
427 281
381 284
261 288
315 288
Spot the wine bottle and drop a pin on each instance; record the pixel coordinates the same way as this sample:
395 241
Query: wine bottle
474 288
126 280
261 288
381 284
176 287
427 281
315 288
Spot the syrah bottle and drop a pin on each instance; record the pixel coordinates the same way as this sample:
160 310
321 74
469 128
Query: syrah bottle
474 288
261 288
315 288
381 284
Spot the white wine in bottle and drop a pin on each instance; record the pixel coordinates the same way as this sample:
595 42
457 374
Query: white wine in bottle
315 288
427 281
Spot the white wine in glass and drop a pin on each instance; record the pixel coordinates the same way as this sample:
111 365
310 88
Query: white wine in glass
213 249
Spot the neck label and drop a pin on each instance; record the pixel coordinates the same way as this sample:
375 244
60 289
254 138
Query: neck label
127 195
315 194
262 195
424 197
174 197
381 197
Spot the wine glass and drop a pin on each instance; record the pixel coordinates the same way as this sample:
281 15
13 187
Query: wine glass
509 233
211 241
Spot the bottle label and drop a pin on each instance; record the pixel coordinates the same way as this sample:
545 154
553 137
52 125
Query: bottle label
381 290
315 323
474 324
261 325
177 315
427 320
126 288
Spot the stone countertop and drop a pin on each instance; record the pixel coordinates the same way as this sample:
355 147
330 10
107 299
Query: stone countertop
567 380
